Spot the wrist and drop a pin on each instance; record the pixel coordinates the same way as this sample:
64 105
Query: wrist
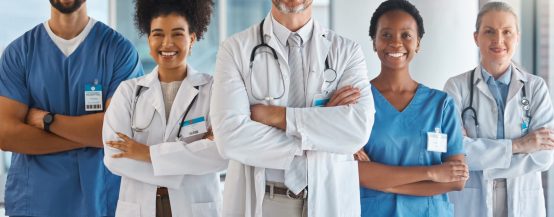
47 121
516 146
429 173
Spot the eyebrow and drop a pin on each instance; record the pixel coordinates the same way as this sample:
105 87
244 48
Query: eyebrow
505 27
174 29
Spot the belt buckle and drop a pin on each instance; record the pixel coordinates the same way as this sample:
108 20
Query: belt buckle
291 195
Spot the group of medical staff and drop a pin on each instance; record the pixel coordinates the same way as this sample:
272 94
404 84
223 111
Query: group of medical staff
290 114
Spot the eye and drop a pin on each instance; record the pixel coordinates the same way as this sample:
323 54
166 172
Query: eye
156 34
507 32
489 31
386 35
407 35
178 34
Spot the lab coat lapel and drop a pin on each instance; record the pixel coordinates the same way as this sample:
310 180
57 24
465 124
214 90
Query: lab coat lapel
516 83
153 94
319 49
183 99
482 84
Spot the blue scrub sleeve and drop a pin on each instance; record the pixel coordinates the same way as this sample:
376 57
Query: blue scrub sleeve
12 73
127 65
452 126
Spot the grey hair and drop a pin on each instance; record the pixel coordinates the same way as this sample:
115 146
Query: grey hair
495 6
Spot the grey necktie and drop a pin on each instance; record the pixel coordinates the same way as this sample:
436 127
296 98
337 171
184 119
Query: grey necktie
296 177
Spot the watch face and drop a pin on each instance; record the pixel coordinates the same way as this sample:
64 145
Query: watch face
48 118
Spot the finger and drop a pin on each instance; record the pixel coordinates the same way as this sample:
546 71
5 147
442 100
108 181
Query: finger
123 136
350 99
118 145
119 155
363 155
334 99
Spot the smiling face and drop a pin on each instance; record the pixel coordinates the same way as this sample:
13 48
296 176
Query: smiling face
170 41
396 39
497 38
67 6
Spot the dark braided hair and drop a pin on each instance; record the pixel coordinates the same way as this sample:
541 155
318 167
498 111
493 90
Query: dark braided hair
393 5
197 13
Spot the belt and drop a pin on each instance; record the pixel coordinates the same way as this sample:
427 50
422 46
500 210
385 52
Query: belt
285 191
162 192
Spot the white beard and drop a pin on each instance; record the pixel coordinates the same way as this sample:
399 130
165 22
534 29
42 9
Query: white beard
298 9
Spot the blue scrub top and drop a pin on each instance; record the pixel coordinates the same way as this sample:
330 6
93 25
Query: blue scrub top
400 139
36 73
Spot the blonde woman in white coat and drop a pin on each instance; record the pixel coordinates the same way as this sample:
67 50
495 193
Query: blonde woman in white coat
507 116
156 130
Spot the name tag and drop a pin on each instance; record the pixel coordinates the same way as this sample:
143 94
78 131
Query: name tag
320 100
93 97
437 141
194 126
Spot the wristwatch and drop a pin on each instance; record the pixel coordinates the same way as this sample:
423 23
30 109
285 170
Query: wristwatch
48 119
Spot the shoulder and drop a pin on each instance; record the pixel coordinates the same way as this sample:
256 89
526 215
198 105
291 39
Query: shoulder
238 41
107 36
23 43
438 96
462 78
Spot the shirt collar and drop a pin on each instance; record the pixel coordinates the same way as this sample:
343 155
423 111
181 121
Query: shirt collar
504 79
282 33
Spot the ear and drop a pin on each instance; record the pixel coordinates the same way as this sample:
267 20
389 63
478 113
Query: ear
418 43
192 38
475 34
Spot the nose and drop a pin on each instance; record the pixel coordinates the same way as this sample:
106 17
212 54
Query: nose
497 37
167 41
395 42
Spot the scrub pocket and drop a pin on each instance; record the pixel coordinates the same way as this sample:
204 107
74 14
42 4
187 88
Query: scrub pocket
127 209
210 209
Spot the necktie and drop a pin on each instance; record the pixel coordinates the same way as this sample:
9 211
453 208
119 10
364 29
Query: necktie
296 177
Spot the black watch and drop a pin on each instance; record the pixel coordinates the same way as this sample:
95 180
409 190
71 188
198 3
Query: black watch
48 119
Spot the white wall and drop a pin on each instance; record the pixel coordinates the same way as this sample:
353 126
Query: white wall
447 48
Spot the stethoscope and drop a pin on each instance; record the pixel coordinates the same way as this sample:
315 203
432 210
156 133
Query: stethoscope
140 129
329 74
525 104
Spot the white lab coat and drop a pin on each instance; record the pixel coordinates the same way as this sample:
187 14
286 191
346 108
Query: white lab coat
490 158
189 169
329 136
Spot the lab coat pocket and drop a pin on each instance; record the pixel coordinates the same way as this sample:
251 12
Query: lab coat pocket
347 178
127 209
210 209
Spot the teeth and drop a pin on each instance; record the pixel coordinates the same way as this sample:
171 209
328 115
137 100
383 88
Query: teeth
173 53
396 54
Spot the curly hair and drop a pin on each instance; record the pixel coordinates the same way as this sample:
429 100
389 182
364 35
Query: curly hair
197 13
392 5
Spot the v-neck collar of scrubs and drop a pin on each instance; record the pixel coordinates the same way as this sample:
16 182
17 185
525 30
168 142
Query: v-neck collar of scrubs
377 93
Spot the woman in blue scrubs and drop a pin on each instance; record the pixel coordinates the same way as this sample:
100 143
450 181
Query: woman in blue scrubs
415 153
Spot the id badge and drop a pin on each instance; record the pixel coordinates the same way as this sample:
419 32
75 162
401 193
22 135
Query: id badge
194 126
320 100
524 125
436 141
93 97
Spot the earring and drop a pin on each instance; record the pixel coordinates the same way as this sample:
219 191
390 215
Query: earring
190 51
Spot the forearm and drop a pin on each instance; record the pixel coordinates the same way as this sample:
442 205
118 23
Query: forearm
381 177
427 188
25 139
84 129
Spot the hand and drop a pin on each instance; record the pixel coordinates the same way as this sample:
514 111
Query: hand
270 115
541 139
130 149
35 118
209 135
344 96
450 171
361 155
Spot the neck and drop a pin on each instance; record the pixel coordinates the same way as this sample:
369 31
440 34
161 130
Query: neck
293 21
68 26
495 69
167 75
394 80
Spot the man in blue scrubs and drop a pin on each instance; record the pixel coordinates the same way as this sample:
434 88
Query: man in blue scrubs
56 81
